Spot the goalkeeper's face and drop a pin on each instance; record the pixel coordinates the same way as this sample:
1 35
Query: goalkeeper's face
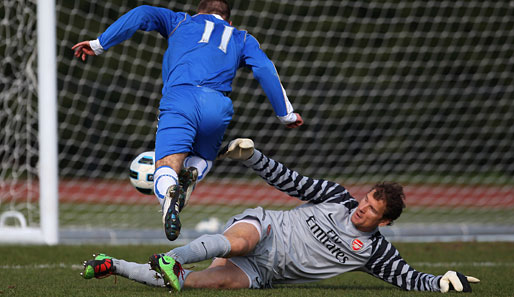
369 214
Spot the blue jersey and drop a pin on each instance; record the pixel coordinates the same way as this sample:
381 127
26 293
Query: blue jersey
203 50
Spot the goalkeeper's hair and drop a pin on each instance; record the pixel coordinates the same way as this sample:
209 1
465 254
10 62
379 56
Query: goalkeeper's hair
394 198
219 7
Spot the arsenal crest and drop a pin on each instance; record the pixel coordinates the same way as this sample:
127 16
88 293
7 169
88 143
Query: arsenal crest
357 244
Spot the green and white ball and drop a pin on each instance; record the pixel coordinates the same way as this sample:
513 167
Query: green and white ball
141 172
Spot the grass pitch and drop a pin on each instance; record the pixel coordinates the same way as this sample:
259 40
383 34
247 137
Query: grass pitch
54 271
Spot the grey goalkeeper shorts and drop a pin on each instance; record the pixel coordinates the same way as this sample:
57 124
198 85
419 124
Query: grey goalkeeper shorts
258 264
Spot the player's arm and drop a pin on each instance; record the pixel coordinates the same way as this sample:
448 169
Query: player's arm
265 72
281 177
387 264
146 18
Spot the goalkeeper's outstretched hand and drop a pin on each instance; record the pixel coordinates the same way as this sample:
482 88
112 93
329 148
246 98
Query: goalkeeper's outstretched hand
82 50
452 280
238 149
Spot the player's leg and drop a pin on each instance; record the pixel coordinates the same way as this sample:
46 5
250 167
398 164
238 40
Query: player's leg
166 174
167 189
102 266
215 116
141 273
202 165
173 142
238 240
177 129
243 235
221 274
194 170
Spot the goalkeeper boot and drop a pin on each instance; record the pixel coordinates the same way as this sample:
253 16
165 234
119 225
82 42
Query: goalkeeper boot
101 266
187 179
169 269
171 209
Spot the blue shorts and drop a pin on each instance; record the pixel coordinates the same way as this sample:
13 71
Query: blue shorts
192 120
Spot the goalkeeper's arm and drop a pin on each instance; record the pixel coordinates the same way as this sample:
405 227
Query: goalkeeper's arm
282 178
387 264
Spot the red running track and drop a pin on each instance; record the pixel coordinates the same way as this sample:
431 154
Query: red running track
254 193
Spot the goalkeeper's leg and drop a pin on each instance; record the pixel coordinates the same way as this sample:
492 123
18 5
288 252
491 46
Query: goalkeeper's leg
238 240
141 273
102 266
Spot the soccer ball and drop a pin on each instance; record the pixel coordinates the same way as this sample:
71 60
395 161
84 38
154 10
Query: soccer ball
141 172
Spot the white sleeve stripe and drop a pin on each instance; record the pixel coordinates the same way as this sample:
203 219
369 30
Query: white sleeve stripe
393 269
408 280
393 261
96 47
385 263
288 118
417 280
382 256
311 189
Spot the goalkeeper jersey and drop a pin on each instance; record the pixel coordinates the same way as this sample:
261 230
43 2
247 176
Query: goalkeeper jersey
317 240
203 50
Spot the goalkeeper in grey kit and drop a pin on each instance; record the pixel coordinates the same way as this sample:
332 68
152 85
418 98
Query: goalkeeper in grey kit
331 234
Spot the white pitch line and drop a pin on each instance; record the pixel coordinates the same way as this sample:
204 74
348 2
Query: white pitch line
44 266
413 264
462 264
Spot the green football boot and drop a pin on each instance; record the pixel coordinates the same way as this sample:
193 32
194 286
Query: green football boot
169 269
101 266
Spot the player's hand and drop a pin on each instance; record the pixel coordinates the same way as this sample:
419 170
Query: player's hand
82 50
238 149
452 280
297 123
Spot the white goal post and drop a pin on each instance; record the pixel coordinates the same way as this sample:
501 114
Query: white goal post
47 231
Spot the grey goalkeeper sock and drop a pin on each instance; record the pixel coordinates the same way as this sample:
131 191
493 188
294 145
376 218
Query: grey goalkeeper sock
203 248
182 279
141 273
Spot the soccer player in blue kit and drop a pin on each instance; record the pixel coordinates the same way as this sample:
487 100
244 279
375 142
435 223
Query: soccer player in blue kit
204 53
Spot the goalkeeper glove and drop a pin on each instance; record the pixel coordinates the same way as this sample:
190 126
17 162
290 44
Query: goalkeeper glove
456 281
238 149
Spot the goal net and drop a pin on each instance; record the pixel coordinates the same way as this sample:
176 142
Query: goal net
419 92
